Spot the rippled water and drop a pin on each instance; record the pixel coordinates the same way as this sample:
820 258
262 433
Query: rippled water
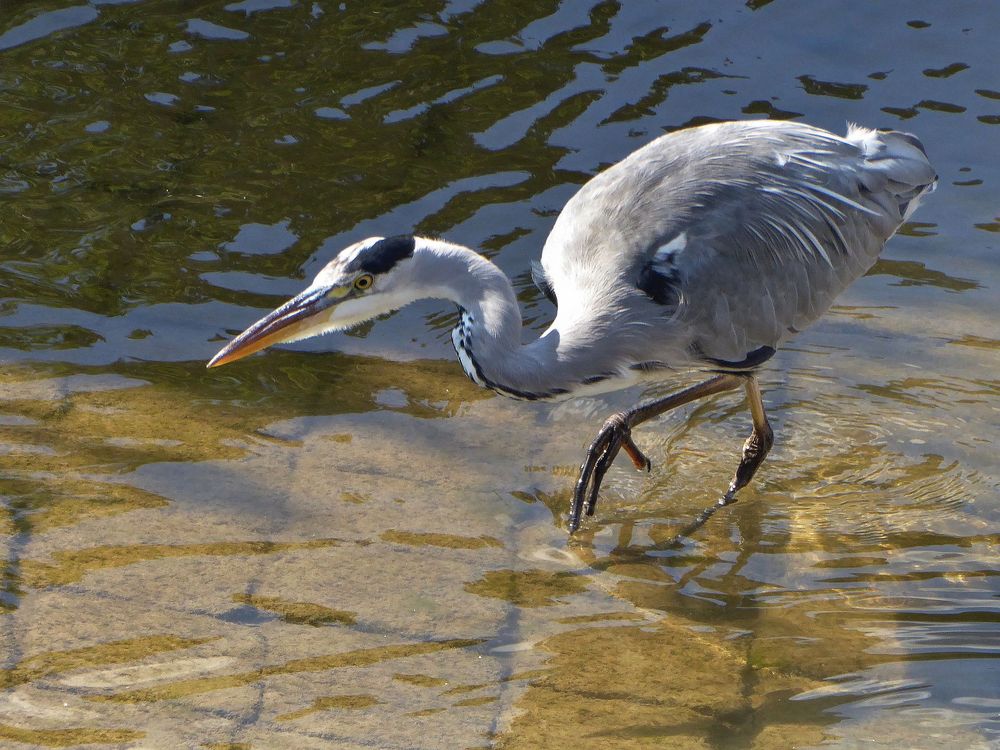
344 543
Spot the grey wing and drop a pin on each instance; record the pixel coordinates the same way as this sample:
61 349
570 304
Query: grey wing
743 233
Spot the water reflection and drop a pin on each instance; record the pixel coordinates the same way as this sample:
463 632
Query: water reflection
346 541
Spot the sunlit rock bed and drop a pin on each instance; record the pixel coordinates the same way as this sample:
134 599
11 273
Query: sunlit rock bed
346 543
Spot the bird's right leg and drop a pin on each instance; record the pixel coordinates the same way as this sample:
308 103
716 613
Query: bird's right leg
616 434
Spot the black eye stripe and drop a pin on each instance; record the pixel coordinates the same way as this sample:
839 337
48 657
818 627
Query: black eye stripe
383 255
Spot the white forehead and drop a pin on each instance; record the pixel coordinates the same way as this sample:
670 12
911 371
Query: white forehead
351 252
335 268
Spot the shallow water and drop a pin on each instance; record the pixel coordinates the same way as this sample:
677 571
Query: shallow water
345 543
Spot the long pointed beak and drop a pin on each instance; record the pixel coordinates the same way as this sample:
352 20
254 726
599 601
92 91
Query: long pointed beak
289 322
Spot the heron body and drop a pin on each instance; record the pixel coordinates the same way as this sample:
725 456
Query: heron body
705 249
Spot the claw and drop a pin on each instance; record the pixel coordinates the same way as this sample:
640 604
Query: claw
600 469
613 436
639 459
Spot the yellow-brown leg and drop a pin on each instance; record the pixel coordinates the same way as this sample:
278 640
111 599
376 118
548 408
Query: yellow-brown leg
755 449
757 446
616 435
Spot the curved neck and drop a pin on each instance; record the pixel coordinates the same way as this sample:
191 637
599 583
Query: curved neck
488 337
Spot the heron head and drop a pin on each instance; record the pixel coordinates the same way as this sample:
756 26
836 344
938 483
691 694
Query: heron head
365 280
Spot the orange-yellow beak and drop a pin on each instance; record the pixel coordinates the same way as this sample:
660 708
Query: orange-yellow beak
298 318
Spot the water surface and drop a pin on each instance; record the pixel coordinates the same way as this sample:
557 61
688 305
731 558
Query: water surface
345 543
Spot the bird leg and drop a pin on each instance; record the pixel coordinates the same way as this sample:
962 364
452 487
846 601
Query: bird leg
616 434
755 449
757 446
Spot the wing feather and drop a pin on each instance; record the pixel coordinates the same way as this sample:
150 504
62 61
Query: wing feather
776 218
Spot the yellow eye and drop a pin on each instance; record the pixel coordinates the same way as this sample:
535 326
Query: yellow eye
364 282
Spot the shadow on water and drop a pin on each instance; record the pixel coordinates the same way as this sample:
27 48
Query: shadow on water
345 543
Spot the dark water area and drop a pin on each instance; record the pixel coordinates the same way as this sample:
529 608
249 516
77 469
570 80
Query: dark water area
344 542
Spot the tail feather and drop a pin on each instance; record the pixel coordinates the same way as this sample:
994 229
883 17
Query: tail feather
895 164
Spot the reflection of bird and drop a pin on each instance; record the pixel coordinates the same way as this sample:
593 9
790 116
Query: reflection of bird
705 249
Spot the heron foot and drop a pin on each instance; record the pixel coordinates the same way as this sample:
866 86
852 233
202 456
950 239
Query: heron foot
755 450
614 436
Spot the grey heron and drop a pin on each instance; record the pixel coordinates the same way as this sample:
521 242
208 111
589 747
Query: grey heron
705 249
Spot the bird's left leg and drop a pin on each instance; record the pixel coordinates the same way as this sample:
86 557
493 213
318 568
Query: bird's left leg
756 448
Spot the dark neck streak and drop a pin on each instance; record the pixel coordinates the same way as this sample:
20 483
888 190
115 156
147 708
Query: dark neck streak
488 336
462 338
